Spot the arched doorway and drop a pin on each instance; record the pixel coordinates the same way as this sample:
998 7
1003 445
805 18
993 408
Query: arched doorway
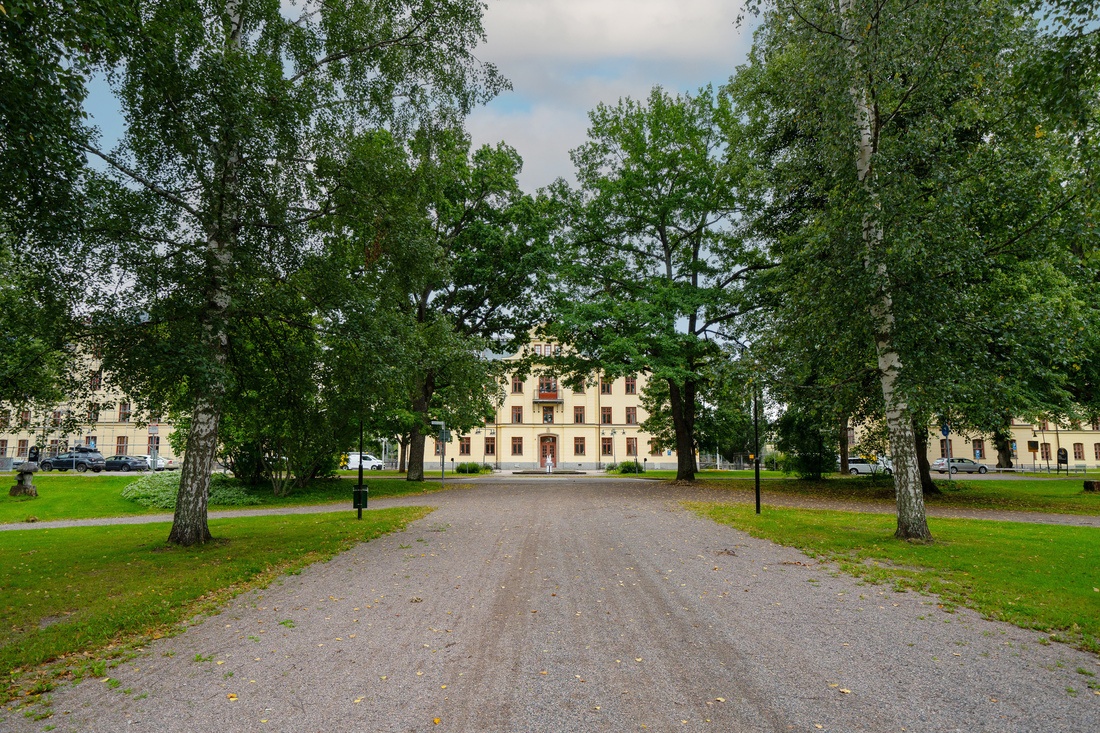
548 450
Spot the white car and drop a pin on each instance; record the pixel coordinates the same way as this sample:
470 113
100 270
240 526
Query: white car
162 463
369 462
862 465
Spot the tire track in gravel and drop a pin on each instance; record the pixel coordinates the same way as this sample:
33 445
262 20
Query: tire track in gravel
557 606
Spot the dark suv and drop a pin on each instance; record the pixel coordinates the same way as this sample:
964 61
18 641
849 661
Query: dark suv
80 460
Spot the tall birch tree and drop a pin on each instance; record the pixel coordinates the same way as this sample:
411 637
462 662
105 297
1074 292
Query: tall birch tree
229 107
922 186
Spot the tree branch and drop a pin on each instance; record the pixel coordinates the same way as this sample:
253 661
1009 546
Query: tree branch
340 55
154 187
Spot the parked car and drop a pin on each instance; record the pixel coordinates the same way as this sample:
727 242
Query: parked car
127 463
958 464
369 461
163 464
79 460
862 465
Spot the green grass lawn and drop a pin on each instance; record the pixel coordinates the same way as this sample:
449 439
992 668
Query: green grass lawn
68 591
1035 576
1064 496
86 496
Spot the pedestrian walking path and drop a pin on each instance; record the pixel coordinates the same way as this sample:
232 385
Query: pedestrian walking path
571 605
702 494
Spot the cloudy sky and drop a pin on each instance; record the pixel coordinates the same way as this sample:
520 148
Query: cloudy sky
563 57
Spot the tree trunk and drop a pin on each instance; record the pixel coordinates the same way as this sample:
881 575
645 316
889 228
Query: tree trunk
920 434
403 441
844 445
416 440
912 522
416 456
683 420
189 525
1002 441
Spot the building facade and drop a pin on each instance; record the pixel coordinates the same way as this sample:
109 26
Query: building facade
1035 446
112 429
541 422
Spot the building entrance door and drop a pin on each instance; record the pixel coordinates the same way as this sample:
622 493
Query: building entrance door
548 450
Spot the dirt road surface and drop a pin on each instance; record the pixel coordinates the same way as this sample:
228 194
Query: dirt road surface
557 605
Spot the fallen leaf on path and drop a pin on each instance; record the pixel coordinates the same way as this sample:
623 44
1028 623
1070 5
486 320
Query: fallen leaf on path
436 721
232 696
846 692
720 699
358 700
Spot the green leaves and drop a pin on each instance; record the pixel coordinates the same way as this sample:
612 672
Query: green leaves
651 265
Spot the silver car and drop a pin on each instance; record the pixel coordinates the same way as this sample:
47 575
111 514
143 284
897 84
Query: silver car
958 464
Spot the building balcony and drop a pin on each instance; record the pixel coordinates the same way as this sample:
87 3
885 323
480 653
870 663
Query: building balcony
552 396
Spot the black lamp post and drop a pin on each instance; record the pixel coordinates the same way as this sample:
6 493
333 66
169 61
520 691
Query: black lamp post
361 492
756 434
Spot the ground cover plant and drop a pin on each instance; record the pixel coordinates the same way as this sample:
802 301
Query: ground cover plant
87 497
1043 577
64 592
1061 496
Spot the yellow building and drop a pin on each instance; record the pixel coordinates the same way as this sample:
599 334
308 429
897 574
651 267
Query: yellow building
1081 443
111 430
541 421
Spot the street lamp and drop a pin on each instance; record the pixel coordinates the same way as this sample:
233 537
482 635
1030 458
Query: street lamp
484 455
613 434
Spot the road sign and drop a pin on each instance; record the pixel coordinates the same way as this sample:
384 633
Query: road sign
945 429
154 429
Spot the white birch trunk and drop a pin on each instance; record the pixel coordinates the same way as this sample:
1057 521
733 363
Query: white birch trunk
189 523
912 522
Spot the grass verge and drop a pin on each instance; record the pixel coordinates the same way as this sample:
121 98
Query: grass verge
90 496
76 596
1041 577
1061 496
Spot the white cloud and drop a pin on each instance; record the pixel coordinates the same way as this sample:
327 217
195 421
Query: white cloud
566 56
595 29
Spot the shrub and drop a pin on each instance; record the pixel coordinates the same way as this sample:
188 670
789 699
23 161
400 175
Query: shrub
631 467
468 467
611 467
159 490
487 467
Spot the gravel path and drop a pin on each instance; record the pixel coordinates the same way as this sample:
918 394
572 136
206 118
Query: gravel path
570 605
